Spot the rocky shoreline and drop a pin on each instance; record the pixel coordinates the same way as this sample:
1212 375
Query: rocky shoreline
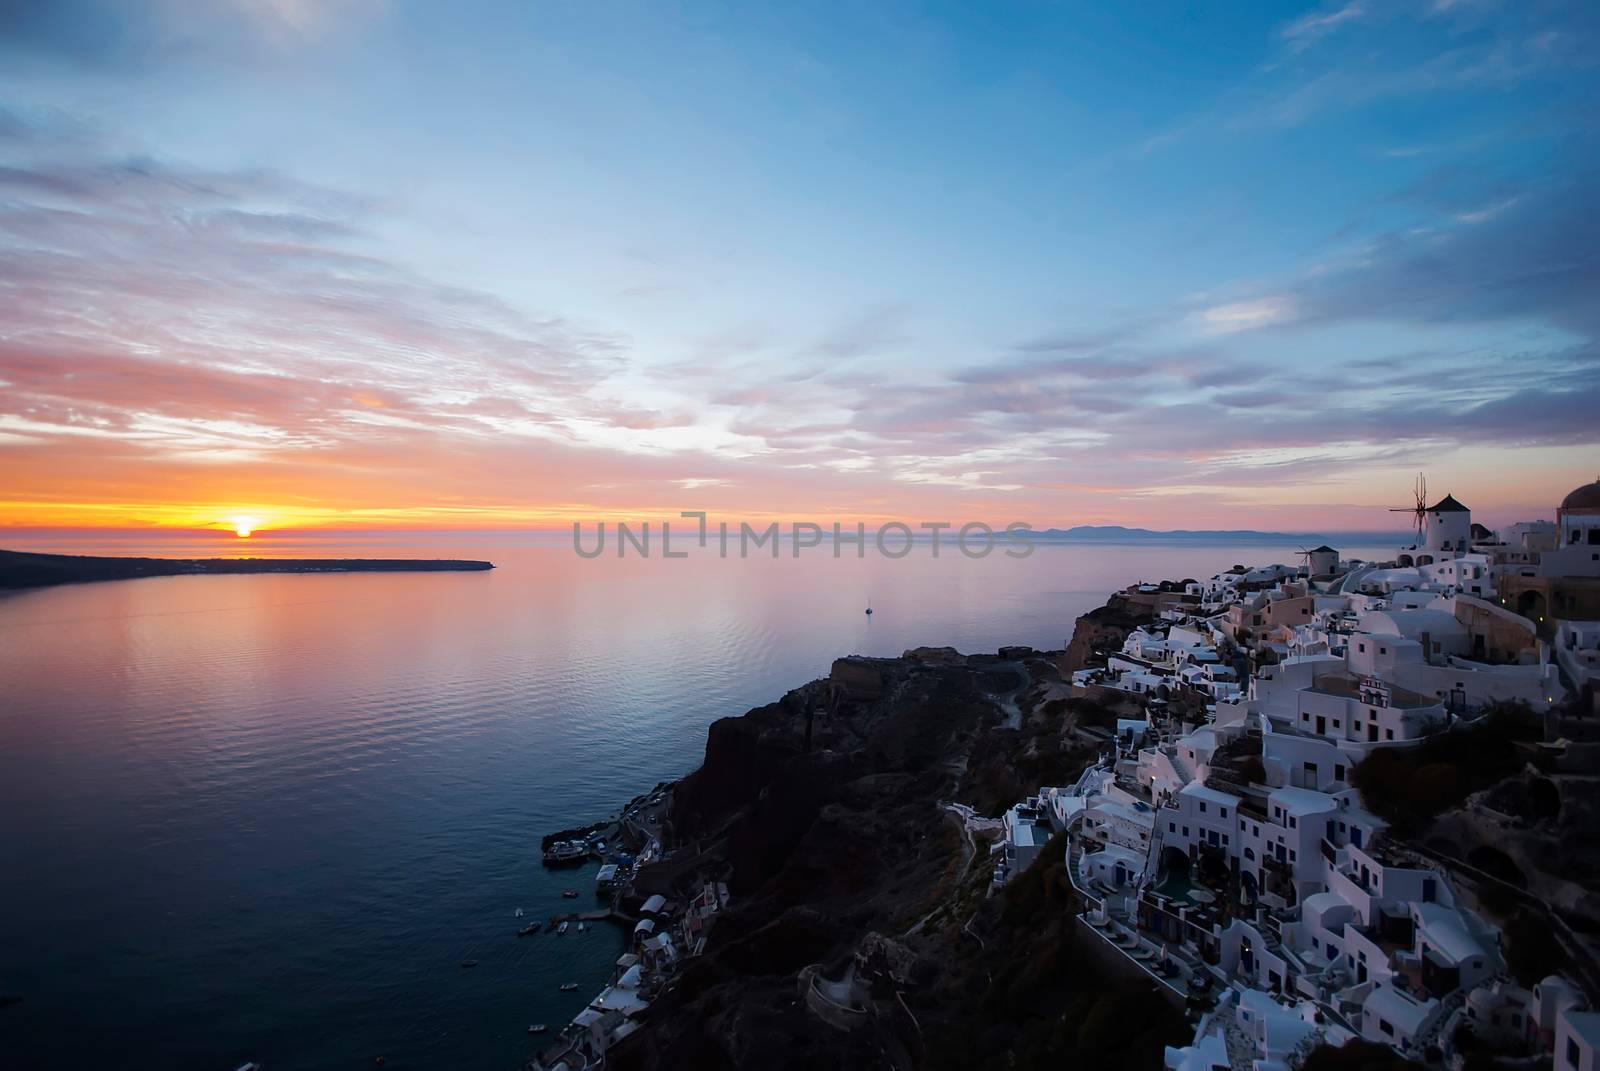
859 931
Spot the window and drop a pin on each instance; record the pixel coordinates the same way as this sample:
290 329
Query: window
1338 772
1224 811
1304 716
1389 734
1383 650
1383 1024
1202 806
1172 827
1291 855
1362 646
1572 1051
1185 831
1291 821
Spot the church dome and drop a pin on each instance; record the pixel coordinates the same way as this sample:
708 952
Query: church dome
1585 499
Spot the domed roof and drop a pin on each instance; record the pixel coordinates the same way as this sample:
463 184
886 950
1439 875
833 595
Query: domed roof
1586 497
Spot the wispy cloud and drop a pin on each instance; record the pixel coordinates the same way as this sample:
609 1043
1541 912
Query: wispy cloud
1247 315
1305 31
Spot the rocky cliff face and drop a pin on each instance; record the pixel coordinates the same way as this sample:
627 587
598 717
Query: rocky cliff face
1102 628
823 813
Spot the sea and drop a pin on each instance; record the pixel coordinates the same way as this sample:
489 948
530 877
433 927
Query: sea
268 817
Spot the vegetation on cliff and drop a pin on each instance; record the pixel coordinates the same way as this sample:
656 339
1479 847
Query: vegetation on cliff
1409 787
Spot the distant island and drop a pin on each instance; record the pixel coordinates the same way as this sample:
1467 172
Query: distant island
1116 533
20 569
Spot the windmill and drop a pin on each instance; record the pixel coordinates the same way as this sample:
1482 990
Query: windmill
1420 510
1305 557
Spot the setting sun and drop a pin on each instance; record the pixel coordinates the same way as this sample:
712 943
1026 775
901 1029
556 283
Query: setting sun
242 526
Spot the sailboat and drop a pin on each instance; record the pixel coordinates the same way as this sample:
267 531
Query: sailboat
869 607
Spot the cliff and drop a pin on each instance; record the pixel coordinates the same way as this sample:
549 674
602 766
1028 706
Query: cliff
1103 628
860 933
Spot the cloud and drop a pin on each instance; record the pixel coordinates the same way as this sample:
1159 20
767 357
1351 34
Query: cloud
101 35
1535 255
1305 31
1247 315
186 310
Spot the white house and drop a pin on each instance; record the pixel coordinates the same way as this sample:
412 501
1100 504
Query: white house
1577 1040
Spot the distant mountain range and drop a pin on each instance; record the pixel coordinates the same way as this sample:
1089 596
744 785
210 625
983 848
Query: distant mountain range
1116 533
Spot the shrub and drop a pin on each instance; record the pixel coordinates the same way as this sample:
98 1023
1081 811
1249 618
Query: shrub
1409 787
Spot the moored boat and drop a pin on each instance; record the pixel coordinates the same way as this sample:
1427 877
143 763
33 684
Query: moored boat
566 853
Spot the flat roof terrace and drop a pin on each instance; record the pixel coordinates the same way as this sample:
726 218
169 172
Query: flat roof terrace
1348 687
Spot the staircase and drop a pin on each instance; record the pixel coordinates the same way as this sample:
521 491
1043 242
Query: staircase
1241 1050
1440 1019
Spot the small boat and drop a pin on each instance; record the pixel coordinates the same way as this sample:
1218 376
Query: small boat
561 928
537 1028
569 894
250 1066
528 930
567 987
519 913
583 927
566 853
468 963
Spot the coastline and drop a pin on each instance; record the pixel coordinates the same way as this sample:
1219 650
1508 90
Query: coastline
23 570
829 903
919 863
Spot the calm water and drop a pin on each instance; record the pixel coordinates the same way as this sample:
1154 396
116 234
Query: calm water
265 817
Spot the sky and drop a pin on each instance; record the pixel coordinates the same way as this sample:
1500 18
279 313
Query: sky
365 264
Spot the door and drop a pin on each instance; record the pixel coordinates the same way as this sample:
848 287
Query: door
1322 725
